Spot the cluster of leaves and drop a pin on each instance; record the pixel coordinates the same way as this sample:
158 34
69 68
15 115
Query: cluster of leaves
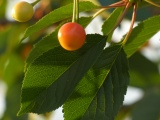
91 82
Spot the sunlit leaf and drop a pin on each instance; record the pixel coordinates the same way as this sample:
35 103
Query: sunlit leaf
141 34
52 77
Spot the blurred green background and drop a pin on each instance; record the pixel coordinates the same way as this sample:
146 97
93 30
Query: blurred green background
144 65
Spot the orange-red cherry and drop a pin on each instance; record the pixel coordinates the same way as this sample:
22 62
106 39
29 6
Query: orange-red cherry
71 36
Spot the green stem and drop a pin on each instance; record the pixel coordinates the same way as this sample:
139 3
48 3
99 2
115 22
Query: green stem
152 3
132 23
35 2
75 11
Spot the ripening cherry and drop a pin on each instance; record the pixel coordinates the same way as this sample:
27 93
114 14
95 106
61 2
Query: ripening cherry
71 36
22 11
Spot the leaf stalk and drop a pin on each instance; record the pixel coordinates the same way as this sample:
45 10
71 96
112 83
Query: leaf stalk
35 2
132 23
121 18
75 17
114 5
152 3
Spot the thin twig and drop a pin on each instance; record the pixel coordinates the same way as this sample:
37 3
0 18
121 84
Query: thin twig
132 23
113 6
117 4
152 3
35 2
122 16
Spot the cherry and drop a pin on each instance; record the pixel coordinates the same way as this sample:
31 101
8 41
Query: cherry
71 36
22 11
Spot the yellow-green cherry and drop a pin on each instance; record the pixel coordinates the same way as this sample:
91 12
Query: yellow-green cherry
22 11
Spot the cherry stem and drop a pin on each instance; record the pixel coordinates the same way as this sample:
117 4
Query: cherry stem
35 2
152 3
132 23
75 11
121 18
114 5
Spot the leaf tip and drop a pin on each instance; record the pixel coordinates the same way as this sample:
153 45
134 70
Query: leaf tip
20 112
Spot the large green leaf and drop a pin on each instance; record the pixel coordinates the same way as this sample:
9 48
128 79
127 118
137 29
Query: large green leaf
52 77
45 44
101 92
142 33
58 15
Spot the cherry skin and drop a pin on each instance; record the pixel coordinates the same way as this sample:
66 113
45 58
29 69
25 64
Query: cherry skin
71 36
22 11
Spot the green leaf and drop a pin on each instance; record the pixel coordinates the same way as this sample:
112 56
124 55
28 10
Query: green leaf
45 44
84 21
142 33
52 77
58 15
120 79
148 108
111 21
101 92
